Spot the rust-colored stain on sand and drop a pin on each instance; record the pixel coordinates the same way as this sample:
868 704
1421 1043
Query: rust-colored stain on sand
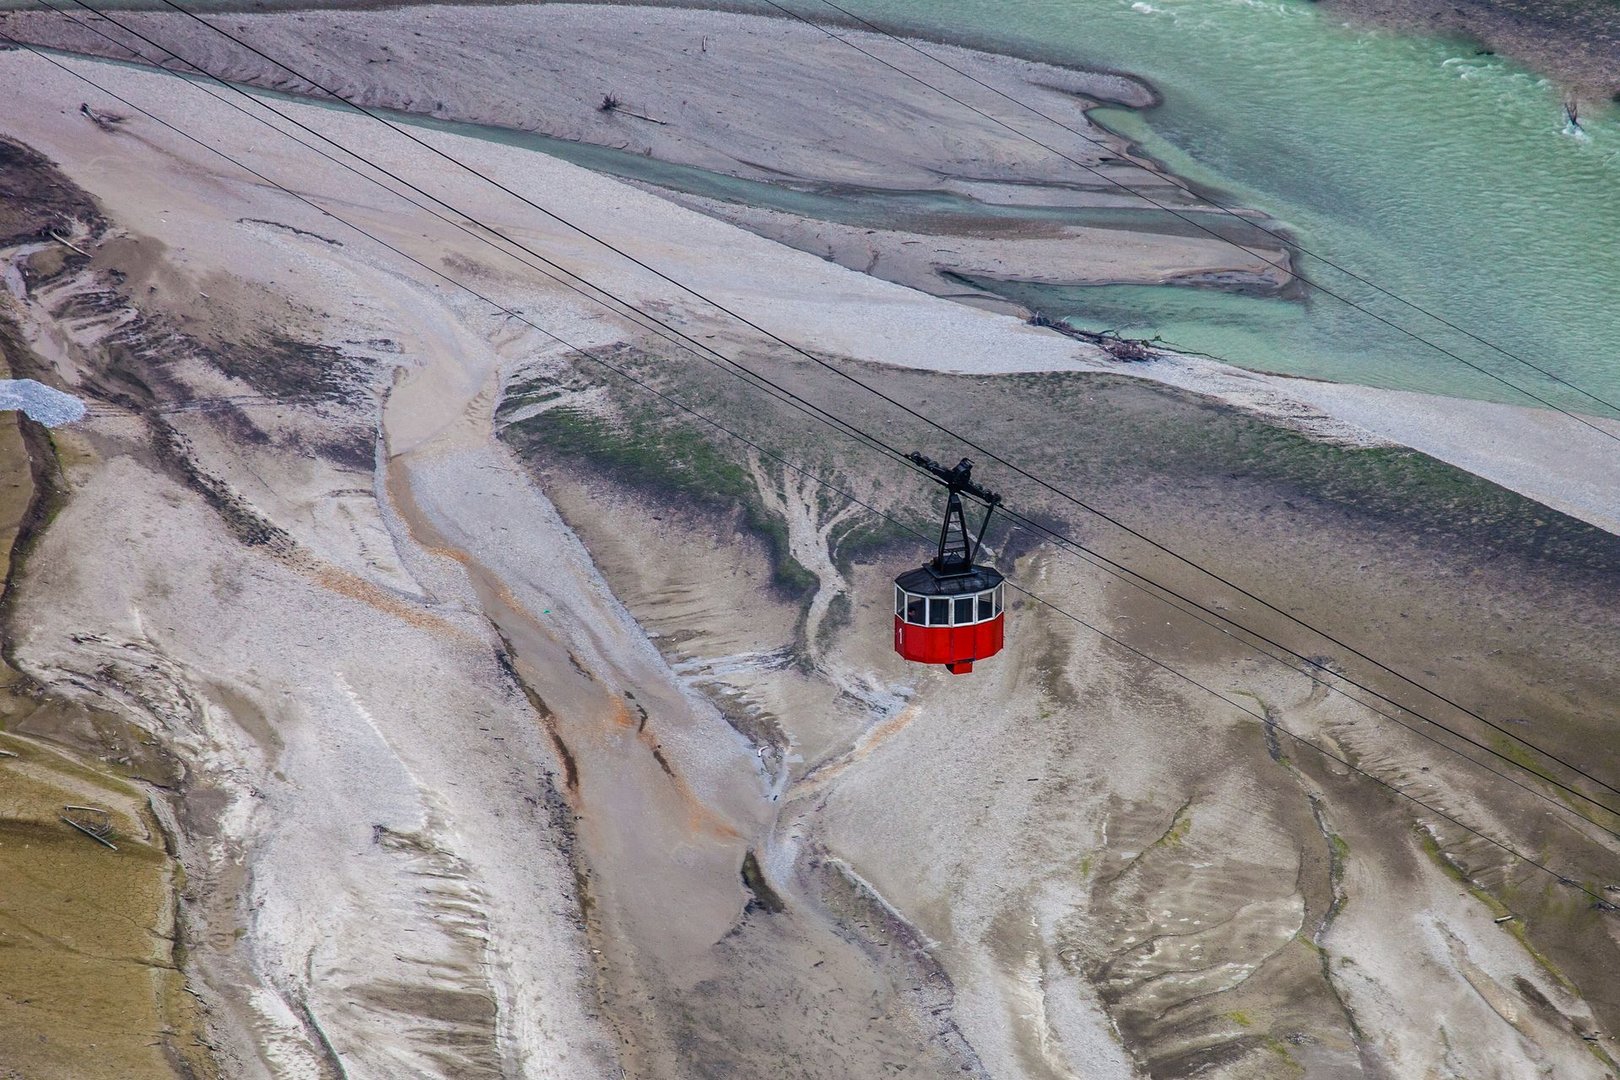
356 588
699 817
622 716
863 747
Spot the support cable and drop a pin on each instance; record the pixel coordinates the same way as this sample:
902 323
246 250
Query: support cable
776 391
1599 902
937 425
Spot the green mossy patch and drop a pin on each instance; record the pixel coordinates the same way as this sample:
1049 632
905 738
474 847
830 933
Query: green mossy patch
666 460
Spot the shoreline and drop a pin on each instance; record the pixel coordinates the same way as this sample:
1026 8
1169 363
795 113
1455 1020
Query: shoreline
1542 40
1588 64
1354 415
1573 42
715 120
1545 47
1370 415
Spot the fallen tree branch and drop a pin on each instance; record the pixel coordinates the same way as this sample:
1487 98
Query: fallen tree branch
104 121
614 105
71 244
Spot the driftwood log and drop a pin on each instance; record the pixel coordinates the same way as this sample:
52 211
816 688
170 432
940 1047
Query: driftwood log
1124 349
102 120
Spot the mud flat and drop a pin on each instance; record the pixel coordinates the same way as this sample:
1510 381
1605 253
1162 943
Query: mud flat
1114 873
562 736
721 95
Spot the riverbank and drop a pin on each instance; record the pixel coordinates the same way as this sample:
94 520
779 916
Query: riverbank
700 121
1577 42
90 946
472 819
717 97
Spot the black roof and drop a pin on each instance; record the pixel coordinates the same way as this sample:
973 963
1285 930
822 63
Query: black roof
926 581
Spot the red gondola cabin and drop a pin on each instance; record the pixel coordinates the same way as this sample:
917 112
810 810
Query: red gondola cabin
949 611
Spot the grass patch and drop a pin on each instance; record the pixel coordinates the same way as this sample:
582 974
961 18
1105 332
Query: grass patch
1422 493
840 613
1148 441
1179 830
666 460
1180 825
1280 1048
1498 909
870 538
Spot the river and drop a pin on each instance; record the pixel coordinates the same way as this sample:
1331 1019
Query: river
1430 171
1450 179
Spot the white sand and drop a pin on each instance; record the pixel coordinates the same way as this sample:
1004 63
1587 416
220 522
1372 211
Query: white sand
370 660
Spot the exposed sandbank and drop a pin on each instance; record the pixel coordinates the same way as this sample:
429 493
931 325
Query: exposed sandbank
726 93
361 747
1515 447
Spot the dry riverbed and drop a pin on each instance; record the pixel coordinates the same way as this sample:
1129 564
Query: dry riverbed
518 724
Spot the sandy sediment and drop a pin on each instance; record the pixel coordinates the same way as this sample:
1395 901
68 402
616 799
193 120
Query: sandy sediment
89 934
498 764
726 86
350 903
725 93
945 150
969 267
1112 873
89 941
